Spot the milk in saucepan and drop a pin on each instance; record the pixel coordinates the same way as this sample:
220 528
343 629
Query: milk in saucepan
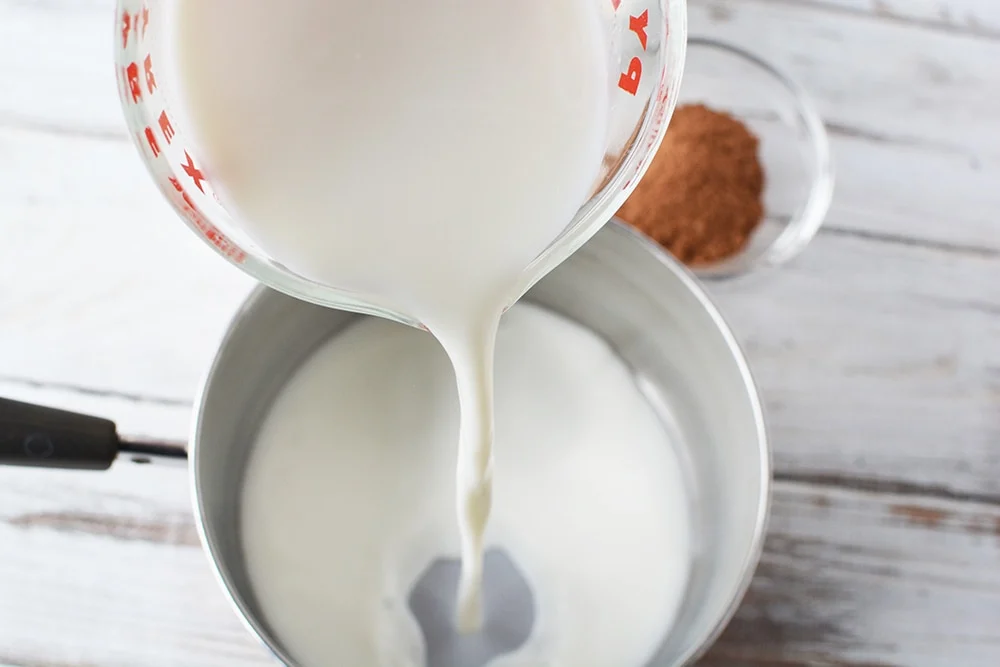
347 501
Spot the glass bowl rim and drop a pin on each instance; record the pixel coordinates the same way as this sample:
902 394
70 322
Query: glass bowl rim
802 228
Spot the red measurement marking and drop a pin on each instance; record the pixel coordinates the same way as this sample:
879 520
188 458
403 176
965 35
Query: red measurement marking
616 4
145 19
638 24
187 200
208 230
126 28
153 143
150 78
132 72
196 175
629 81
166 127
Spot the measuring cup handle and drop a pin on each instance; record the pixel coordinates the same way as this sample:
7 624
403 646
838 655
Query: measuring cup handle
37 436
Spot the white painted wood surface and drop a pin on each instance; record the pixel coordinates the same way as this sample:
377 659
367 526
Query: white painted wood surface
975 17
878 352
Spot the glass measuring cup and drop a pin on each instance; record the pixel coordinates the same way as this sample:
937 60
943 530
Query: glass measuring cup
646 42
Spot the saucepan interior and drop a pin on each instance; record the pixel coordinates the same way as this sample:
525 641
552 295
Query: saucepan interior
622 287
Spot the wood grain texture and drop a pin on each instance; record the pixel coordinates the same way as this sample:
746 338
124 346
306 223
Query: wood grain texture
101 284
56 68
973 17
878 360
911 113
108 565
856 579
105 570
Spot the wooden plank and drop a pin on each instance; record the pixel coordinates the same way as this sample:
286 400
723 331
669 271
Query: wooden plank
56 67
974 17
854 579
101 284
900 82
911 114
871 74
104 569
878 360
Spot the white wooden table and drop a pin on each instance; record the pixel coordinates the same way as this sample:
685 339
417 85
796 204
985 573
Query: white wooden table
878 352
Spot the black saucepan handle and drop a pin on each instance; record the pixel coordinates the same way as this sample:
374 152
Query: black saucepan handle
33 435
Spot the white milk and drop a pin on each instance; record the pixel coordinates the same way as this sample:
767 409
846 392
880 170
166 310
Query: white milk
419 153
349 490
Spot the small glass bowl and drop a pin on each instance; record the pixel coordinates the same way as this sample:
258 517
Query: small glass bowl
794 149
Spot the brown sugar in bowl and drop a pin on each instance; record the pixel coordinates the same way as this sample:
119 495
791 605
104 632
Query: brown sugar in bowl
702 196
793 154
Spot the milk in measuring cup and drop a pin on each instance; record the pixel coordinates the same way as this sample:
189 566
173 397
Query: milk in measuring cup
419 153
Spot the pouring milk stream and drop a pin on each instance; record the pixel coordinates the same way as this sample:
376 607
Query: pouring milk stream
423 153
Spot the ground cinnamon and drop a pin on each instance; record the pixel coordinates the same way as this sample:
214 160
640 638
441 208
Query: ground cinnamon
701 198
